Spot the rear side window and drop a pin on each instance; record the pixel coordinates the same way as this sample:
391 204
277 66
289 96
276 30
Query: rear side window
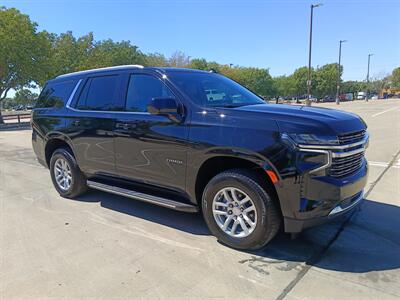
56 94
99 93
142 89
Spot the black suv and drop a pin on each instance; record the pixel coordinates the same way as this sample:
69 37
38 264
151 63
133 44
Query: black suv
159 135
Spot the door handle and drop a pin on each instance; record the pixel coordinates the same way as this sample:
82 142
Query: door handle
76 123
125 126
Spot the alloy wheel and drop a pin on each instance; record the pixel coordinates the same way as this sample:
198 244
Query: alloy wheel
234 212
63 174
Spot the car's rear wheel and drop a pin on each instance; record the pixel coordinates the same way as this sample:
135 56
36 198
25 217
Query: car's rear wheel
239 210
67 178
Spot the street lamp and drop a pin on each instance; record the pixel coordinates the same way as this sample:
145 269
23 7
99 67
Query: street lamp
369 58
338 80
308 101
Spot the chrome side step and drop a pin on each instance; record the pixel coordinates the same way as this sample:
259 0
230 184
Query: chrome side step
168 203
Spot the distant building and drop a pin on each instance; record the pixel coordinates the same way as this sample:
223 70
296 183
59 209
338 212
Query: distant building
389 92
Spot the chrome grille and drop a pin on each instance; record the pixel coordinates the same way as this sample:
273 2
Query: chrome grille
344 166
352 137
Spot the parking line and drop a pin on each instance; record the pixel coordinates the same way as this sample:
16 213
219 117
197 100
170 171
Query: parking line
385 111
378 163
384 164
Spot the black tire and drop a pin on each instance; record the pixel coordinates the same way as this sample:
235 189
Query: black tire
78 183
268 216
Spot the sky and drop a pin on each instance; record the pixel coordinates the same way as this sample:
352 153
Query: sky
256 33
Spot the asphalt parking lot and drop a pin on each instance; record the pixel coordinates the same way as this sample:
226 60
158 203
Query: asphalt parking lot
103 246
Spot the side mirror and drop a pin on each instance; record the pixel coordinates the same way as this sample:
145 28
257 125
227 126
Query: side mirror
165 107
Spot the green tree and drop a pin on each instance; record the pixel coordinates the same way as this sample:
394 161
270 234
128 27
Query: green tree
198 63
109 53
179 59
395 78
25 97
255 79
156 60
352 86
326 80
23 52
67 54
299 79
70 54
377 85
284 86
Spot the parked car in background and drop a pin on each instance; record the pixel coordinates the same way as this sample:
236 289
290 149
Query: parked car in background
346 97
361 95
328 98
214 95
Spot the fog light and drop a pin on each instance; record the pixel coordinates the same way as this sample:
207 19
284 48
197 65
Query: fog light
336 210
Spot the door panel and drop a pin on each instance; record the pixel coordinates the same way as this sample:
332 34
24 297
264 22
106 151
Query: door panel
93 141
151 149
91 124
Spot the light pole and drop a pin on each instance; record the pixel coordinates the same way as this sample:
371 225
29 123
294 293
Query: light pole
369 58
308 101
338 76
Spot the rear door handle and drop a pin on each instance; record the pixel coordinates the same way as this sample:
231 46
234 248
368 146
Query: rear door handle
125 126
76 123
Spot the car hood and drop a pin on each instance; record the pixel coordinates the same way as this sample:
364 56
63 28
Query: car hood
304 119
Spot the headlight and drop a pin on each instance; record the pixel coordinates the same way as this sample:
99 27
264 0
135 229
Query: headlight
313 139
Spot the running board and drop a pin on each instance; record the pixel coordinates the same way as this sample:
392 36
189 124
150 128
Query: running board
168 203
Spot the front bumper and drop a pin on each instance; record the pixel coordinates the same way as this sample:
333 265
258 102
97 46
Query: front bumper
298 225
315 195
325 199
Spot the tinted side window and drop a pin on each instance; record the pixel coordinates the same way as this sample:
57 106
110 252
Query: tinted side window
56 94
143 88
99 93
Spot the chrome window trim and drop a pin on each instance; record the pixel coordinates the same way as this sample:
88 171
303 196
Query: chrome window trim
100 69
110 111
68 105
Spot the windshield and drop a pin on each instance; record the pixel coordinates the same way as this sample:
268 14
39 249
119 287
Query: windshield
213 90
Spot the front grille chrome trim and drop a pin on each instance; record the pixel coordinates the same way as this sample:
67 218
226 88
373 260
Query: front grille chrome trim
341 161
337 147
349 153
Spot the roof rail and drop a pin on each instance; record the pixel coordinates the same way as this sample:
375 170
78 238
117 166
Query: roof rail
101 69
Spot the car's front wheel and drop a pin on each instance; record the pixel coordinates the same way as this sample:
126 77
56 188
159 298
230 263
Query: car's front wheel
67 178
239 211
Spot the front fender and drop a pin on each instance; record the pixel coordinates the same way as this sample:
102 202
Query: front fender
197 164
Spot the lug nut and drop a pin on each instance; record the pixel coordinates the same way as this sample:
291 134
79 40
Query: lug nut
230 205
229 212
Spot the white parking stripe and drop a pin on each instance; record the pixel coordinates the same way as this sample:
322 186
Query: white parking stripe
385 111
378 163
383 164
